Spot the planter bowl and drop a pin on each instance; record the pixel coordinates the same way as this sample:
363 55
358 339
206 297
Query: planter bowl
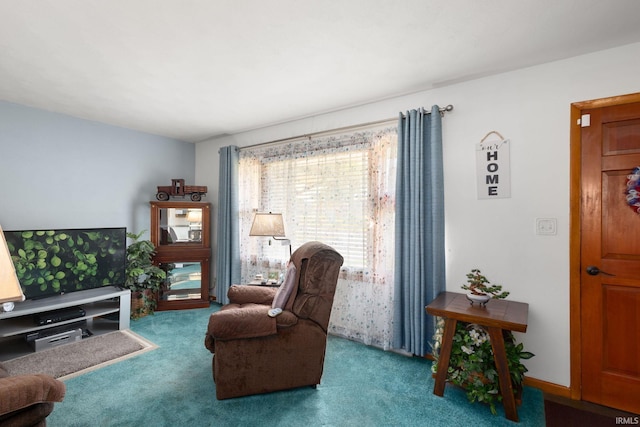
480 299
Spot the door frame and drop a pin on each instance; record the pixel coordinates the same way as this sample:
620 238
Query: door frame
574 231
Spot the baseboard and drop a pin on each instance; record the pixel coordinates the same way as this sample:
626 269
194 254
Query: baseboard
547 387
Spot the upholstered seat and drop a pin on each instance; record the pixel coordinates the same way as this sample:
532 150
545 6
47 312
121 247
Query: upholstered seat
27 400
255 353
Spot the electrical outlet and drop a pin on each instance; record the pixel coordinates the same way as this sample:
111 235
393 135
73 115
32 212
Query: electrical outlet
546 226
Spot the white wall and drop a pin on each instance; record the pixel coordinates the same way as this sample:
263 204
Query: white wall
58 171
531 107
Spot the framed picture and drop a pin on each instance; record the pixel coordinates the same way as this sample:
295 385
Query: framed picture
274 275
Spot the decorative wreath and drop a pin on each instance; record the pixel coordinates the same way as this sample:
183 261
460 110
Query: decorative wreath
633 190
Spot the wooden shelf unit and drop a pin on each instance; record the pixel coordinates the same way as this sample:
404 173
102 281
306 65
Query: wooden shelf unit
172 254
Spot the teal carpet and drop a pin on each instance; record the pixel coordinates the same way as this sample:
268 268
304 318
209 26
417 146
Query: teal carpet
361 386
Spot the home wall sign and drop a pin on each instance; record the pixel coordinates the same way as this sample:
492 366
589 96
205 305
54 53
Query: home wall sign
493 167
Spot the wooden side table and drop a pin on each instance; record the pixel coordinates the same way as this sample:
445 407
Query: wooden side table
496 316
267 284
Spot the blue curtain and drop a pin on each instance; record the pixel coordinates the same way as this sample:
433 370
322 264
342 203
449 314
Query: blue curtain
228 260
419 227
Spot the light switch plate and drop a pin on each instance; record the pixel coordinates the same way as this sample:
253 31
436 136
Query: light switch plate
546 226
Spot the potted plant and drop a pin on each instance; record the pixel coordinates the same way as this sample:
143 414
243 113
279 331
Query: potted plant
471 364
480 289
143 277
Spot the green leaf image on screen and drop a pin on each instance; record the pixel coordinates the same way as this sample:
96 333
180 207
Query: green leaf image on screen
51 262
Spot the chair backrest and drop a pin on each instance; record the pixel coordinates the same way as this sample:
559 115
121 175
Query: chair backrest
179 233
317 267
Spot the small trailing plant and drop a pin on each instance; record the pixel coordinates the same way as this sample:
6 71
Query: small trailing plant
478 284
144 278
471 364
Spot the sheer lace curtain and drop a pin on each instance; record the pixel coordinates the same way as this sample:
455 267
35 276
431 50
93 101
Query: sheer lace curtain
339 190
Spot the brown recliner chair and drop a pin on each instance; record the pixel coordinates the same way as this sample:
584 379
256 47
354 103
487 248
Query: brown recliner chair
255 353
27 400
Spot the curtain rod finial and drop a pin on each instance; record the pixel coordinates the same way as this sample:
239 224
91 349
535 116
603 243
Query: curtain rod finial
446 109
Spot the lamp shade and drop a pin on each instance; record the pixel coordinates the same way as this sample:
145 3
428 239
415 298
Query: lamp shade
194 215
10 289
267 224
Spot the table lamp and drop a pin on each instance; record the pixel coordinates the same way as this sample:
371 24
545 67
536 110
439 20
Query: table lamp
269 224
194 217
10 289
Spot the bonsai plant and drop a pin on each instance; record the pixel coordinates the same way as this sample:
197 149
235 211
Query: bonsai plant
480 289
471 364
142 276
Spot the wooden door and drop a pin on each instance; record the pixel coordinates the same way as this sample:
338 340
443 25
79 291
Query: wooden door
609 258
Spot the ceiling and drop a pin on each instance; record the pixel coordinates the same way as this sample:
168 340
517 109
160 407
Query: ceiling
197 69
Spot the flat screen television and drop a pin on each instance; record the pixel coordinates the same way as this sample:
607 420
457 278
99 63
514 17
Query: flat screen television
53 262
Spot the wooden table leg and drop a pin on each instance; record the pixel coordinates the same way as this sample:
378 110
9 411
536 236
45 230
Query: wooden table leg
500 358
445 355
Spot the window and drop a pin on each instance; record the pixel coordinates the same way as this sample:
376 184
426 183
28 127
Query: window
328 189
339 190
323 197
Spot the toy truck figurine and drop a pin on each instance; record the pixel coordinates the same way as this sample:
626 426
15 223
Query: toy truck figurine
177 188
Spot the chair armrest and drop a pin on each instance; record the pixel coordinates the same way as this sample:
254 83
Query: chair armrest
22 391
242 321
286 319
245 294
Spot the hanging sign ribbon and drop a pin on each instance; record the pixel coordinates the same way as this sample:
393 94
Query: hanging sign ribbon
493 167
633 190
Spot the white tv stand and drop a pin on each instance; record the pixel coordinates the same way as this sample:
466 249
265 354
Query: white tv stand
97 303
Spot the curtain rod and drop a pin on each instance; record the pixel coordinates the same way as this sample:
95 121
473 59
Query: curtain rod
443 110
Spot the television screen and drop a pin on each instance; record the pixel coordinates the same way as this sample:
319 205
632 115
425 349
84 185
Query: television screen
50 262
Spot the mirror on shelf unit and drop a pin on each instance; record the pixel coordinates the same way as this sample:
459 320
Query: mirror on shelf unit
187 281
183 282
180 226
